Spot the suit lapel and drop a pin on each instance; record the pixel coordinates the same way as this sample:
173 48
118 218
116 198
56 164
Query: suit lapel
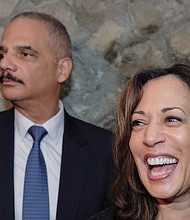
6 165
73 170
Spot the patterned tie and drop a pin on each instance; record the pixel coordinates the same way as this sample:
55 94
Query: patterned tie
36 198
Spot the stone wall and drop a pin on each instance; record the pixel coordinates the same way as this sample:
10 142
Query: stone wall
111 40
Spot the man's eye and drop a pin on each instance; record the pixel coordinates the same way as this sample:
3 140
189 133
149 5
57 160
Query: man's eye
2 55
25 54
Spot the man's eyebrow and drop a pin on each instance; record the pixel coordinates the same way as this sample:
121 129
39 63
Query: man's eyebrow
29 48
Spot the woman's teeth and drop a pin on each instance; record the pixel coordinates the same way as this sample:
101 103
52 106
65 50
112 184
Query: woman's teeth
160 161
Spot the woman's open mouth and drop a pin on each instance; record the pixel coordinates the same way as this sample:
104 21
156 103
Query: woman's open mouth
160 167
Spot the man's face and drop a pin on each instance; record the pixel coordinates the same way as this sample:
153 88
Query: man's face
28 65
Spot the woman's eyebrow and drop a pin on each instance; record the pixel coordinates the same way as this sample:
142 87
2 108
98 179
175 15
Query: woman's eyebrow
163 110
139 112
172 108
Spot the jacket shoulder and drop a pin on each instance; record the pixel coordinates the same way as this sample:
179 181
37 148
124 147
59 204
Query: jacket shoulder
86 127
7 114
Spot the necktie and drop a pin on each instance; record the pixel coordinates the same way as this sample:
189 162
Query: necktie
36 198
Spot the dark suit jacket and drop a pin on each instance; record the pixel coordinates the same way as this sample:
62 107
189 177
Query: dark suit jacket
107 214
85 169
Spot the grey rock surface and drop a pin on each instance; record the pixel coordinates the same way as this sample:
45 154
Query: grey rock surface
111 41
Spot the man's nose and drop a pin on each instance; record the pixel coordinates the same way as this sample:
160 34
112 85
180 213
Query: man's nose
7 62
154 134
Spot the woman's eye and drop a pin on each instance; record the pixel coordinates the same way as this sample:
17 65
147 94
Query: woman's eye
137 123
173 119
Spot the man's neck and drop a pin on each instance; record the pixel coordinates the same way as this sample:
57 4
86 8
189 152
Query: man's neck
39 114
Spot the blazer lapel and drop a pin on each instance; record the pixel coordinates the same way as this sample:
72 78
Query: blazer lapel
6 165
73 170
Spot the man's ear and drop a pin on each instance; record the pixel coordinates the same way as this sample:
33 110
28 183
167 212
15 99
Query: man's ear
64 69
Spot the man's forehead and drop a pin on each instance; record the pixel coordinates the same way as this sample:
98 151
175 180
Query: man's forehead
26 28
26 24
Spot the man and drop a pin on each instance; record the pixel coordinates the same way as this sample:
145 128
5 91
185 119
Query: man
35 60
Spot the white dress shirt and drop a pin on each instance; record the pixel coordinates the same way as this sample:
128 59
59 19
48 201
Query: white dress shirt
51 146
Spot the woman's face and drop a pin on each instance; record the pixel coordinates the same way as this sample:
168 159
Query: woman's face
160 139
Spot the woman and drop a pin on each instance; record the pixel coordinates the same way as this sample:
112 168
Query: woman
152 151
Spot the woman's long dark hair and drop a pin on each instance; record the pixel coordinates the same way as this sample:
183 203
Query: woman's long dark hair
132 200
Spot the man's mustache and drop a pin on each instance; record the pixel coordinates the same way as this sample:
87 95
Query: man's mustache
9 76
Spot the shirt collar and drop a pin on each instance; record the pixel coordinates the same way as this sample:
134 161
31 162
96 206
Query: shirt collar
22 124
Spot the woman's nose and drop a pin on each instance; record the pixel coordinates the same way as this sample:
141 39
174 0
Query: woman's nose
154 134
